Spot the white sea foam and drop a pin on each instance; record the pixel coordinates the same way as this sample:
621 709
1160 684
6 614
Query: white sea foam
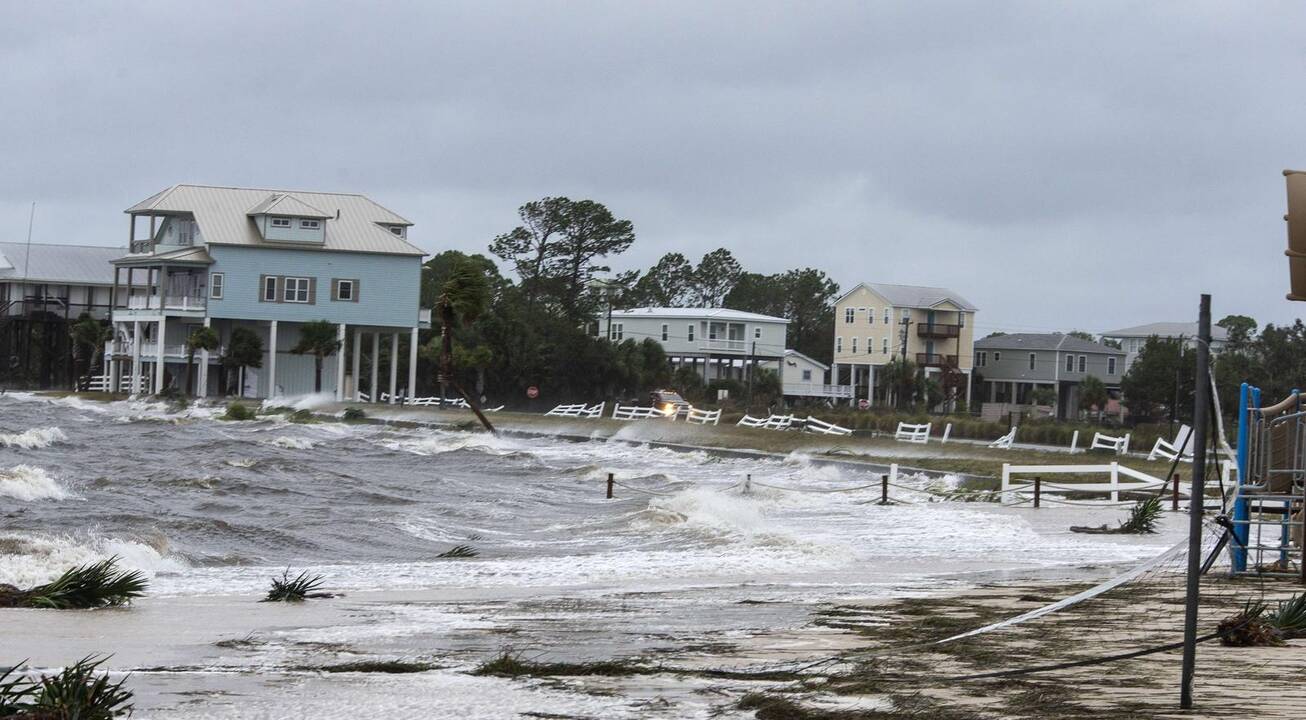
27 560
292 443
439 442
34 438
311 401
28 483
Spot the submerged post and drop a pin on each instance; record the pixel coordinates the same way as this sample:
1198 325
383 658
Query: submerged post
884 489
1196 500
1174 500
1038 490
610 484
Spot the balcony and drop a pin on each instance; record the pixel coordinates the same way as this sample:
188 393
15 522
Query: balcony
937 330
936 360
177 304
802 389
725 345
150 350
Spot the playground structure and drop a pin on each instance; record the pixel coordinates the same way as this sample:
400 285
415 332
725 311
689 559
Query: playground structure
1267 524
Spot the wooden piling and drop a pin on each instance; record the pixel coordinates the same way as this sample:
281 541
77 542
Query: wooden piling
611 482
1174 495
1038 490
884 489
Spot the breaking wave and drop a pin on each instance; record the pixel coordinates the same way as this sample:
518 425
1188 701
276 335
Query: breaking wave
34 438
28 482
27 560
292 443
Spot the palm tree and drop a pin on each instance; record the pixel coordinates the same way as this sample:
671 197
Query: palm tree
318 338
464 297
88 332
201 338
899 380
1093 395
244 349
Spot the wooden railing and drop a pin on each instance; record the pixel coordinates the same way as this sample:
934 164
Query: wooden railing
935 359
938 330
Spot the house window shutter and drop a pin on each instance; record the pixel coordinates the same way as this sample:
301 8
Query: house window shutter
357 285
312 291
335 288
262 283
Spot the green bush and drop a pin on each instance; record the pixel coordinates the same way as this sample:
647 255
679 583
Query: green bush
303 417
354 413
236 411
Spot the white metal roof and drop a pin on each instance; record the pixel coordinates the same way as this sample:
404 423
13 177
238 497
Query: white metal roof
915 296
353 222
695 313
808 358
66 264
286 204
1166 330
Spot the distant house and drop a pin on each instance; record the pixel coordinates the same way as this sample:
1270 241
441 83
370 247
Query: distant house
876 322
717 342
804 378
42 289
1132 339
1014 366
268 261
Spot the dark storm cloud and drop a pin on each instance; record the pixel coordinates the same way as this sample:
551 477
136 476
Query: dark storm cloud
1086 166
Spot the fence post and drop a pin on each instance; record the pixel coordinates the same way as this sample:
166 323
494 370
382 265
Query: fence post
610 483
884 489
1115 482
1006 478
946 432
1174 504
893 472
1074 442
1038 490
748 483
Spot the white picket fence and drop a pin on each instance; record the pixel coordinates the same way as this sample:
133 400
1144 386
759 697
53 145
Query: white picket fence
702 417
770 422
1004 442
433 401
814 425
919 434
578 410
634 412
1117 445
1170 450
1132 481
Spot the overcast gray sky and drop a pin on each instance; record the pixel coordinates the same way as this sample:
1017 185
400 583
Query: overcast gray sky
1062 167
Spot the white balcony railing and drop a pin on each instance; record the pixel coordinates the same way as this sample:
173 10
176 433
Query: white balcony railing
171 302
801 389
727 345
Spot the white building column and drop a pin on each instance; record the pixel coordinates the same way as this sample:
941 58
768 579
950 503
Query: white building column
159 364
340 363
376 363
412 366
394 366
112 360
358 363
272 359
202 388
970 375
136 357
870 384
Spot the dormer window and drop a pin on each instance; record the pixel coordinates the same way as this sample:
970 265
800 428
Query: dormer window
280 222
397 230
310 224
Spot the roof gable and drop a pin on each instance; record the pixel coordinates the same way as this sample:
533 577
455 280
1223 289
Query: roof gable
286 204
913 296
1044 341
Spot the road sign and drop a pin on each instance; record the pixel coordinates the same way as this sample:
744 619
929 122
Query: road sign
863 404
532 392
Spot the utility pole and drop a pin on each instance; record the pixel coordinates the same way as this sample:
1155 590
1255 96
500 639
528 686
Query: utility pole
1196 501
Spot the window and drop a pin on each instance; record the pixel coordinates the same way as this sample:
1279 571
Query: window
906 315
997 356
870 345
807 376
397 230
870 317
270 289
616 331
757 333
1083 363
310 224
1110 366
886 346
215 286
838 344
345 290
1033 360
854 344
1070 363
665 331
887 318
296 290
981 358
281 222
849 315
690 328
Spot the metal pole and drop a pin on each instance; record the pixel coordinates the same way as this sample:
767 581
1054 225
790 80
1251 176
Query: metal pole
1196 500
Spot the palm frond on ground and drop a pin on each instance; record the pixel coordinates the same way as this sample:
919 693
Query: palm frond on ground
80 691
297 589
95 585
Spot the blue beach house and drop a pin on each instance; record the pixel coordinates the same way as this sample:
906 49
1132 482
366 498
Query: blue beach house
268 261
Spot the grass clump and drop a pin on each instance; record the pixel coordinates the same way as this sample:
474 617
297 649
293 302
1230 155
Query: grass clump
1256 625
389 667
94 585
302 417
238 412
297 589
512 664
1142 520
354 414
459 551
79 691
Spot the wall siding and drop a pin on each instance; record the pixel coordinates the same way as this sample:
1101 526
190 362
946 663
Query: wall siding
388 285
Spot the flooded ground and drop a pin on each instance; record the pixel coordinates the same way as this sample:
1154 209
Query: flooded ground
683 569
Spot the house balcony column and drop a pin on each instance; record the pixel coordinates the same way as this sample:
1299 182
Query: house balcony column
136 357
870 384
394 366
340 363
358 364
376 364
272 359
202 384
412 366
159 365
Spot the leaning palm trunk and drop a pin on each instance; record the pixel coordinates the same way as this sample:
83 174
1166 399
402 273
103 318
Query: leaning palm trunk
446 364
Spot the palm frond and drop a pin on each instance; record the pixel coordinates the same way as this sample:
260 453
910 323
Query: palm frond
1290 616
99 584
459 551
16 692
81 691
1143 516
296 589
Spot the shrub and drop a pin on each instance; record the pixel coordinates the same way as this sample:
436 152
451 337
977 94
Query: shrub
303 417
354 414
236 411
